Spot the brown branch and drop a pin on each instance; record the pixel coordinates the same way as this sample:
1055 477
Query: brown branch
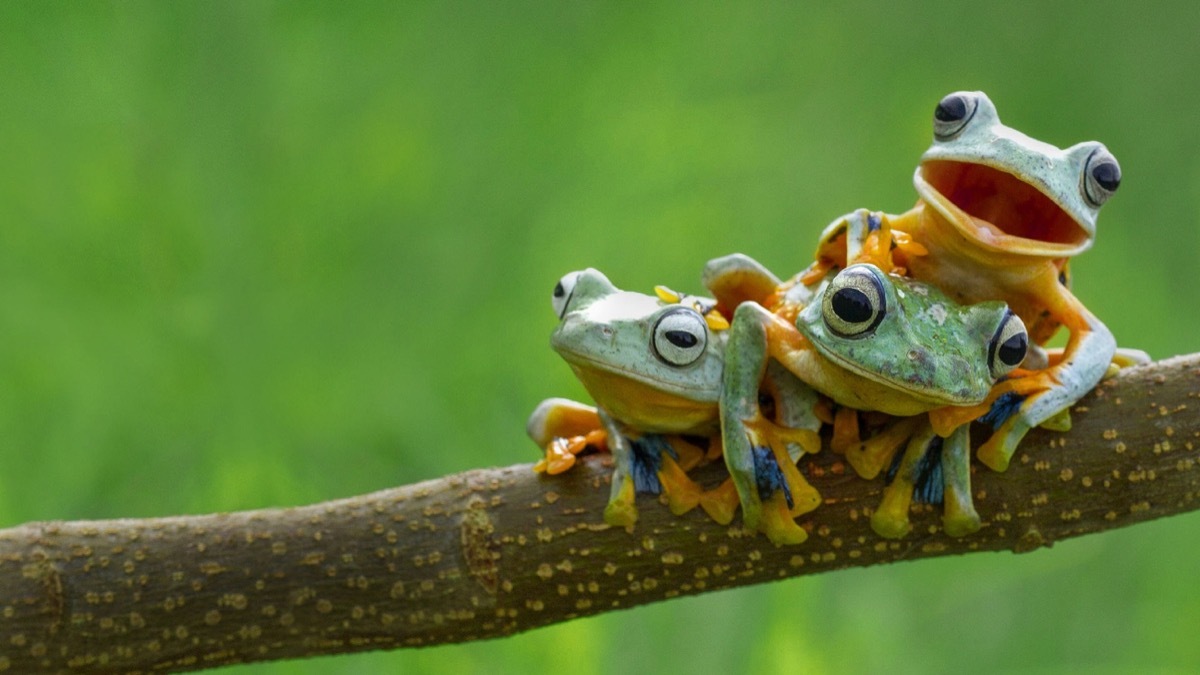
493 552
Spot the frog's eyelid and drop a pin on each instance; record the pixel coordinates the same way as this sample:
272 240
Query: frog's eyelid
948 120
671 329
564 290
1094 188
855 289
1008 346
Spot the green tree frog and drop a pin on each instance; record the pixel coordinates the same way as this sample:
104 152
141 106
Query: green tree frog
653 365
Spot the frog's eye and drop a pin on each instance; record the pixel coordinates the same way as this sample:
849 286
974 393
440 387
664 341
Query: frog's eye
562 293
1009 346
854 302
1101 176
680 336
952 114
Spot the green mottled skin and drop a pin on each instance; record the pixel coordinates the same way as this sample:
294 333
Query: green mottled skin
925 343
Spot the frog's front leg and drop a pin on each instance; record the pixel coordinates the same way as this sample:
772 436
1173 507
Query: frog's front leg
1089 351
563 428
621 510
754 464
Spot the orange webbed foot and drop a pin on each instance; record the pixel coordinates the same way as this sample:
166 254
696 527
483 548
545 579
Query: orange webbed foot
868 457
682 494
721 502
778 524
561 452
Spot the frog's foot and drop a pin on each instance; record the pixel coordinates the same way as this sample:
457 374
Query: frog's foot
1059 421
1009 428
774 467
890 519
721 502
959 517
1126 358
764 432
561 452
621 511
870 456
777 522
682 493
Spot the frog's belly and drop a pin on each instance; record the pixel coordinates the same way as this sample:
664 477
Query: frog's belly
647 408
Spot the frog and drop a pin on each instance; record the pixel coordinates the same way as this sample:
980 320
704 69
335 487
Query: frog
998 217
653 364
868 340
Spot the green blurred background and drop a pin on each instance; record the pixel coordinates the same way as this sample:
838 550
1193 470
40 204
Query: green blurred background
258 254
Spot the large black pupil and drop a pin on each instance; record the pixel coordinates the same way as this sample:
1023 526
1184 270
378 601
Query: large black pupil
559 290
851 305
1108 175
681 338
950 109
1012 352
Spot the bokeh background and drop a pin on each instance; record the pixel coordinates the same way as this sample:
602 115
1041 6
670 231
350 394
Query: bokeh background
257 254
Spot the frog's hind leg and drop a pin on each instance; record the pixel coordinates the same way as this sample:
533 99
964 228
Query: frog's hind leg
621 510
1089 352
959 517
913 468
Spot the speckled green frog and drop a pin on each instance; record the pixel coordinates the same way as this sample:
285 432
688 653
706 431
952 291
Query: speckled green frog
869 341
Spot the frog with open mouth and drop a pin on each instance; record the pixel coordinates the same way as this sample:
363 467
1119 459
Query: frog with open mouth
999 216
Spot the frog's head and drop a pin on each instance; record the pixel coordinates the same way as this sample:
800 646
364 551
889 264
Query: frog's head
1007 191
910 336
653 364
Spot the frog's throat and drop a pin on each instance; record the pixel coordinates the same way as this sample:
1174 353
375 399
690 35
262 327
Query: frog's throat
646 403
869 379
1000 210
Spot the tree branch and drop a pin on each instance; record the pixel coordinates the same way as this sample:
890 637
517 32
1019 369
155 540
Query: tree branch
493 552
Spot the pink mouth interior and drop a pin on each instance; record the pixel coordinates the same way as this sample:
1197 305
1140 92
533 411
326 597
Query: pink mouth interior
1009 204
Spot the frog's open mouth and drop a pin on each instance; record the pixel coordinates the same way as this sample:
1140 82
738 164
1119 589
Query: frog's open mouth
1002 207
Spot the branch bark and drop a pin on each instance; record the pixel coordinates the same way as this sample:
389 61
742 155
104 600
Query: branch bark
493 552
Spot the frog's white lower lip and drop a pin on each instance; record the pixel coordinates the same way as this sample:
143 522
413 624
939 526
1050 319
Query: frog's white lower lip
998 209
917 394
692 390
